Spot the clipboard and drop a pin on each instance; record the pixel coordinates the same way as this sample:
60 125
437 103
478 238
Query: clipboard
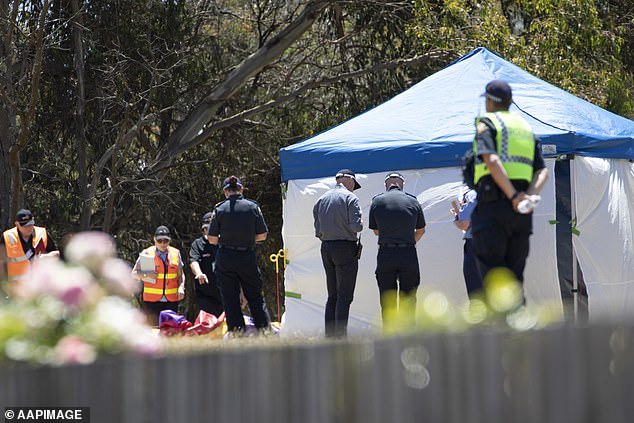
146 264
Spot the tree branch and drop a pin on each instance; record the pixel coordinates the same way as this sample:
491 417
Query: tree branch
201 115
224 123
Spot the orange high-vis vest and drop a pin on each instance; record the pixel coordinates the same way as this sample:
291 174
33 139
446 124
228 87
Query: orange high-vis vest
18 263
166 282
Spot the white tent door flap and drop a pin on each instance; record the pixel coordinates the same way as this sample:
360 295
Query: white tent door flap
604 193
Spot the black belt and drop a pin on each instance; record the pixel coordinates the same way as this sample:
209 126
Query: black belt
234 248
396 245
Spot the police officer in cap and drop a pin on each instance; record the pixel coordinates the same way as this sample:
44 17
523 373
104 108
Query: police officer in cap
202 257
397 218
236 225
508 168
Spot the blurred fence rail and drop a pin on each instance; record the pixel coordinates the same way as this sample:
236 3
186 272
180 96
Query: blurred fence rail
563 374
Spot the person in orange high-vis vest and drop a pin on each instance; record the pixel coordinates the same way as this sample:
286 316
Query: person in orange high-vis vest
160 268
21 244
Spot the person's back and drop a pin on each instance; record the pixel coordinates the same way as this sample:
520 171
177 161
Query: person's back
509 169
337 221
337 215
237 218
396 214
398 220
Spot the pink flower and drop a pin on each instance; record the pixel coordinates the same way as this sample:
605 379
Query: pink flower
40 280
77 288
71 349
90 249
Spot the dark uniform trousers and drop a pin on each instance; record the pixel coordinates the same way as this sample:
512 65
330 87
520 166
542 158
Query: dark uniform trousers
396 262
500 237
470 268
341 266
235 268
211 303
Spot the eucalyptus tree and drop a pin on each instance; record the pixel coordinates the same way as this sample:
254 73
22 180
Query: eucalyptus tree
22 43
582 46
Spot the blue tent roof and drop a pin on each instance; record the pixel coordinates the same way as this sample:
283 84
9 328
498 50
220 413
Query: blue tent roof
431 125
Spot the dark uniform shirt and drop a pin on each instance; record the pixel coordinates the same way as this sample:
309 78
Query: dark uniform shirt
396 214
204 253
236 221
486 144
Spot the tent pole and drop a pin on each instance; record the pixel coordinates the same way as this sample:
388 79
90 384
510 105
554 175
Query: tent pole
573 215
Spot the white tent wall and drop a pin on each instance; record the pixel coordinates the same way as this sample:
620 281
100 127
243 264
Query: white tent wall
604 194
439 251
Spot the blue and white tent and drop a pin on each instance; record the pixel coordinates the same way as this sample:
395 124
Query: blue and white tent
423 132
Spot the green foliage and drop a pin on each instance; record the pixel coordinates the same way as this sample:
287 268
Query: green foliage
574 44
148 63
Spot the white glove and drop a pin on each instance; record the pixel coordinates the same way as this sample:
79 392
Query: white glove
529 204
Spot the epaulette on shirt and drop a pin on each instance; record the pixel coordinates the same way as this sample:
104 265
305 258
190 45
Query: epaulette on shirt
213 212
412 195
379 194
484 124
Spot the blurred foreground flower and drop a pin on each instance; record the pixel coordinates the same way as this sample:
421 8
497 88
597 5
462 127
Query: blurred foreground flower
69 313
500 304
90 249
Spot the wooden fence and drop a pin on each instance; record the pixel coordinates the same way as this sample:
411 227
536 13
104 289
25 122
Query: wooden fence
565 374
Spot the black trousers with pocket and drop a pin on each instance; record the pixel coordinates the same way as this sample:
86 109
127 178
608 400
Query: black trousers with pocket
341 265
501 237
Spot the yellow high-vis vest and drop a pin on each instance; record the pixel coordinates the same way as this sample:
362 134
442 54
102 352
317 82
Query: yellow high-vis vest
515 146
18 263
166 282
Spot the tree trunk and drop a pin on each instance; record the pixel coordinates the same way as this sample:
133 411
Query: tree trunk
79 60
7 112
28 116
7 129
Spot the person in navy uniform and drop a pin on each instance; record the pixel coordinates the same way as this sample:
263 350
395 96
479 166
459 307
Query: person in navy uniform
202 257
236 225
397 218
337 218
462 220
509 167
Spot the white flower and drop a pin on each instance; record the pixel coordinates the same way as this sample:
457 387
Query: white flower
118 317
39 281
90 249
117 277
